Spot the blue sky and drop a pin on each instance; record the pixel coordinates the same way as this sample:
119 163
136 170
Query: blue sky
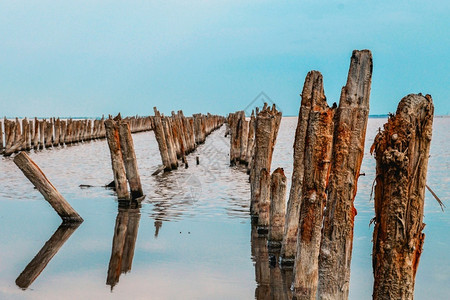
88 58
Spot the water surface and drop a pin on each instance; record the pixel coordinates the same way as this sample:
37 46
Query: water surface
191 238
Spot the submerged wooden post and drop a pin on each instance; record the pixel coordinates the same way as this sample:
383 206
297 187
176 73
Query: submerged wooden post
277 208
312 93
318 145
43 257
348 150
120 178
129 158
401 153
40 181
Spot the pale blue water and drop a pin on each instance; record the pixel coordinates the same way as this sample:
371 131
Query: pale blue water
203 249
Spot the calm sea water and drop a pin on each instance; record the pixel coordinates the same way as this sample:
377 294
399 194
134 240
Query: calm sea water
192 237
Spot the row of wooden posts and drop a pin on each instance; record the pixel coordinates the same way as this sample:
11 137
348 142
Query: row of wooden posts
177 135
30 134
315 231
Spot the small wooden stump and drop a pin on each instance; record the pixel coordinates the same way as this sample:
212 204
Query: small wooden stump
277 208
40 181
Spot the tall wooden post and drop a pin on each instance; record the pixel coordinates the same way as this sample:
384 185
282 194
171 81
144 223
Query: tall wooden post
162 144
277 208
120 178
318 145
312 93
129 158
401 153
347 154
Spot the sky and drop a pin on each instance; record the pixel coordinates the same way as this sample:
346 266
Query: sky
88 58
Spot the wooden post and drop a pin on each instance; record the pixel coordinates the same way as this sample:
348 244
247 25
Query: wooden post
348 150
401 153
25 134
318 145
43 257
251 138
267 123
36 134
244 138
170 143
1 137
62 137
312 93
57 132
277 208
263 205
40 181
49 134
129 158
42 127
120 178
161 139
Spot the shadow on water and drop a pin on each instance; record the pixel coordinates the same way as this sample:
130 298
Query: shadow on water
43 257
272 282
124 241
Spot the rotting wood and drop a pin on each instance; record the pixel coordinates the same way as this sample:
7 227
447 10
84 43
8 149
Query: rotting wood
266 129
160 138
312 93
317 155
401 153
44 186
118 167
348 150
277 208
129 158
263 205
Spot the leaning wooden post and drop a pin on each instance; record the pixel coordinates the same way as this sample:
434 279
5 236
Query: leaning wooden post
120 178
277 208
318 145
348 150
311 94
44 186
401 153
129 158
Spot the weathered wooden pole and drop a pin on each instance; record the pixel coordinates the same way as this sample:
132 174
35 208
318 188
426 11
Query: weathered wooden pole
277 208
243 134
57 125
170 143
318 146
43 257
49 134
311 94
36 134
267 123
129 158
40 181
348 150
161 139
118 167
263 204
25 134
1 137
401 153
250 138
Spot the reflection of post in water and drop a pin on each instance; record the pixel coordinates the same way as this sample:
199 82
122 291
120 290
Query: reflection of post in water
158 225
272 282
124 242
40 261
